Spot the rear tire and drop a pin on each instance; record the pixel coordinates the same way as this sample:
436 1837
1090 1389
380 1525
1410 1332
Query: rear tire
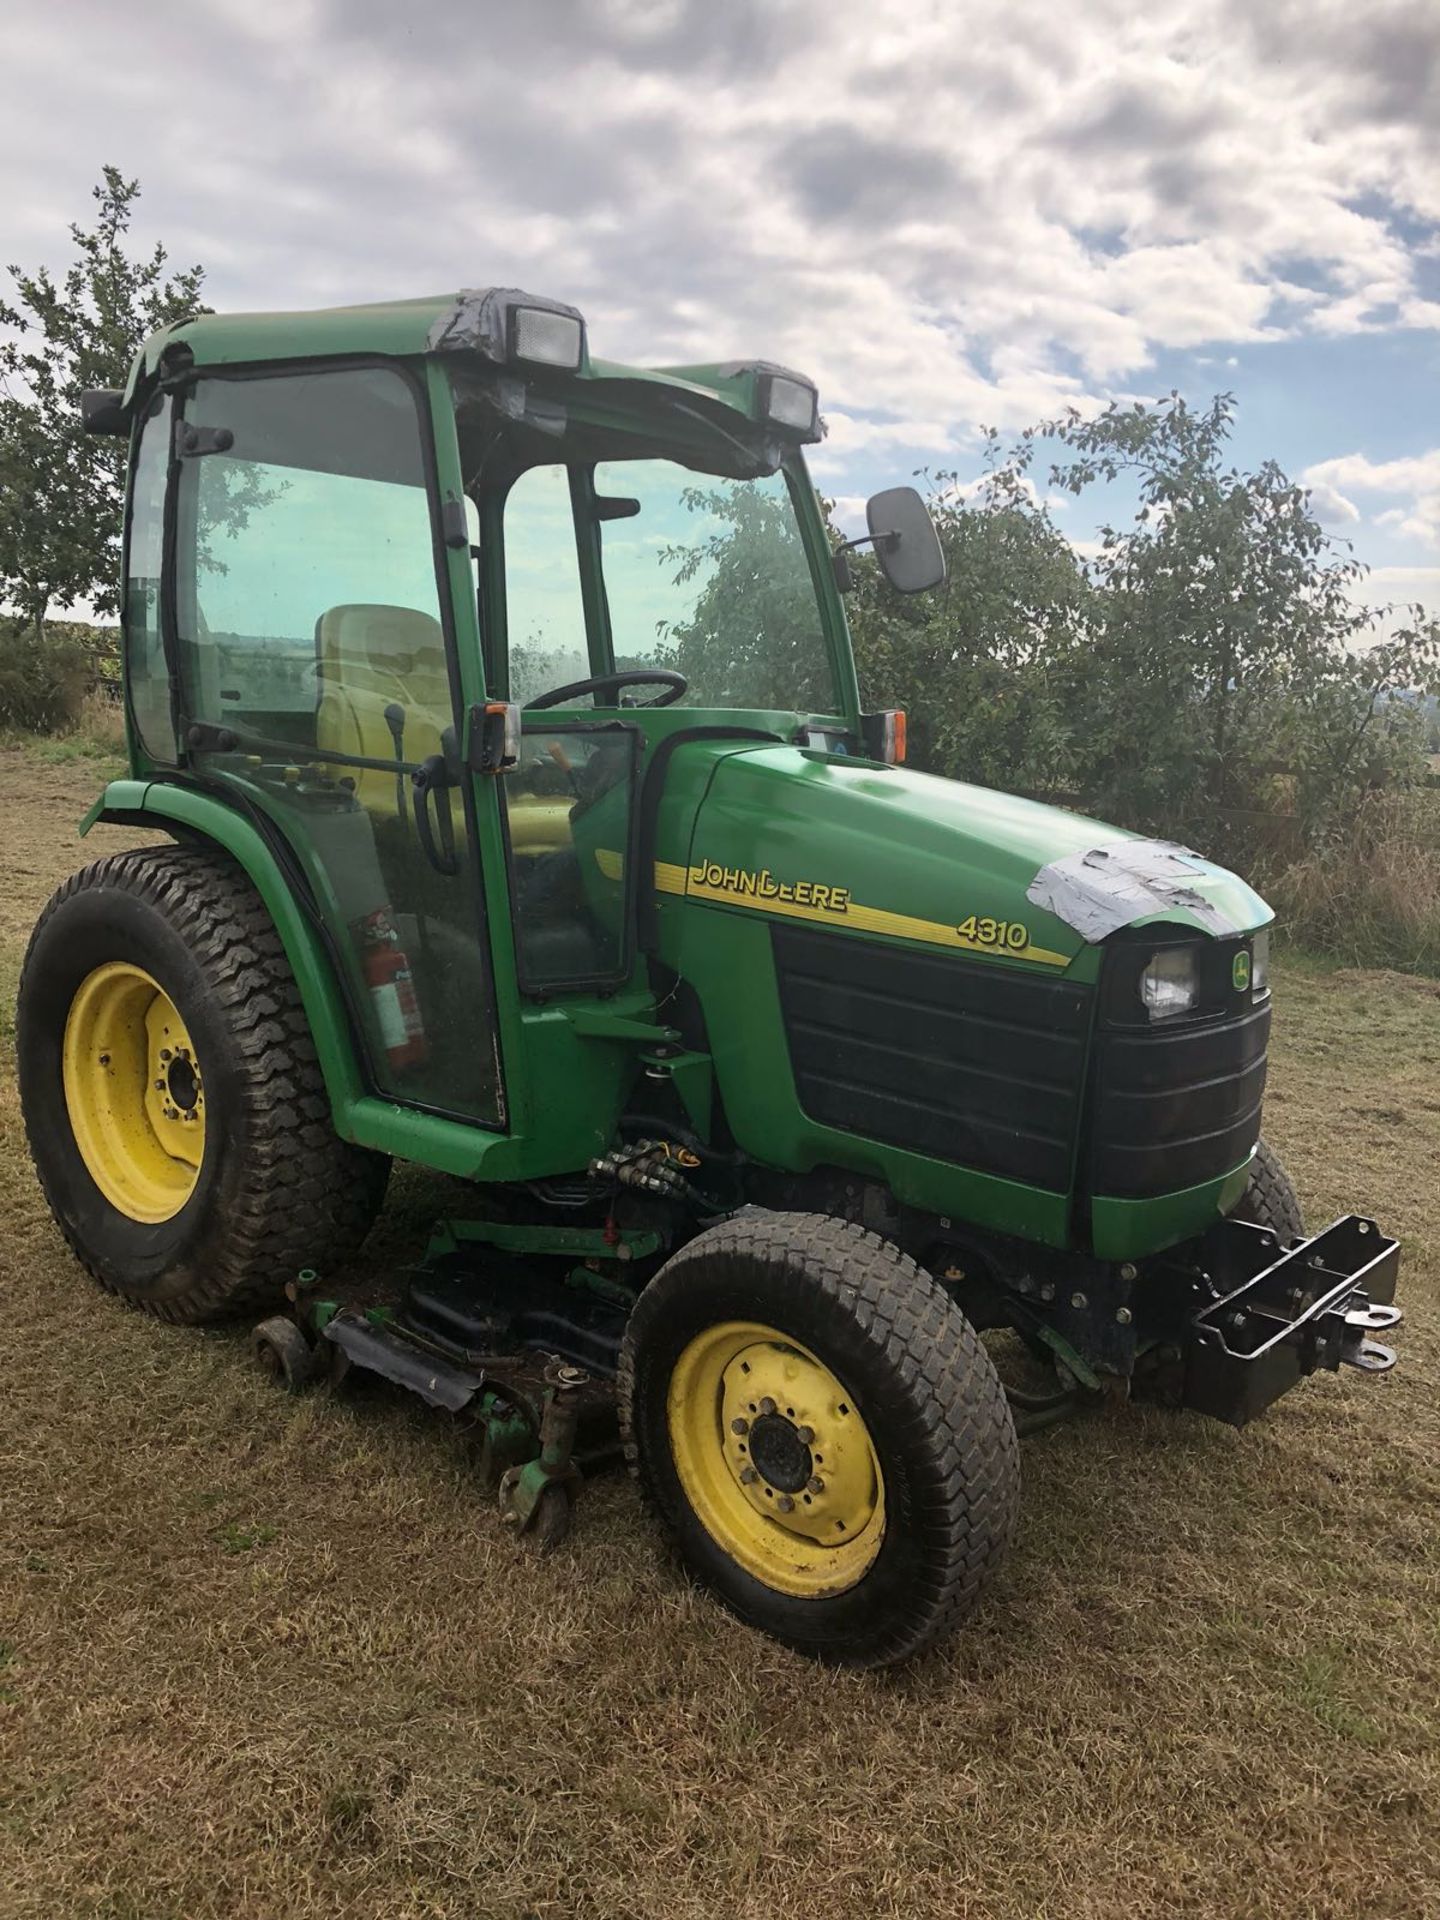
275 1189
859 1523
1270 1200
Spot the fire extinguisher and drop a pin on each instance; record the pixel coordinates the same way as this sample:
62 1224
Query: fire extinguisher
391 987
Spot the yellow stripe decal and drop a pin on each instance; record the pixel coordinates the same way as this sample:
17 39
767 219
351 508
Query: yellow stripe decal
767 896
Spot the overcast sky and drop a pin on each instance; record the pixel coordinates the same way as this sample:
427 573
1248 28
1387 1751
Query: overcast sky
949 214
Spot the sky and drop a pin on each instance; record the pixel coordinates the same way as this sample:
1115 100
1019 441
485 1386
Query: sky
950 215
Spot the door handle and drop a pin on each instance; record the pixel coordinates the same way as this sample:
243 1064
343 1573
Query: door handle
437 838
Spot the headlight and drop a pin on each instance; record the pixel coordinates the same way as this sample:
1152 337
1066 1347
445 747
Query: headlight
1170 983
547 337
791 403
1260 962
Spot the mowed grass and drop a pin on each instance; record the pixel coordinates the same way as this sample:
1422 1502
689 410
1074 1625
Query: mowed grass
269 1657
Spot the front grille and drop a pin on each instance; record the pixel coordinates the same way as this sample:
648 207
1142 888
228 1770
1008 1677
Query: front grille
963 1060
1178 1103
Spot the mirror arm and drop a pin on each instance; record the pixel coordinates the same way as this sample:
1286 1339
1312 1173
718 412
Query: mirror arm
840 556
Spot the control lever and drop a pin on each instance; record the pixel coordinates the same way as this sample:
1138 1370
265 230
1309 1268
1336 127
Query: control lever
395 721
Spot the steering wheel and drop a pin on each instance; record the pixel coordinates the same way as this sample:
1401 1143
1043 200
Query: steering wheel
674 684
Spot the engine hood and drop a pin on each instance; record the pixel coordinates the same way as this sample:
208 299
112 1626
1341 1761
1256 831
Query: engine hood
891 852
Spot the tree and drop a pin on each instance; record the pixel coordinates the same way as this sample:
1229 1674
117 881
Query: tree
985 665
753 636
1212 657
61 491
1229 646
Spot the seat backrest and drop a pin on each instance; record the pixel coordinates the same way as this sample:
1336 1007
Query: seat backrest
370 659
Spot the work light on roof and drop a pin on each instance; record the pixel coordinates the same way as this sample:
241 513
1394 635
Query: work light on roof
790 402
547 337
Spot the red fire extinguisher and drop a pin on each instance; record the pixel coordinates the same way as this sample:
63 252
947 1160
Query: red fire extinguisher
392 990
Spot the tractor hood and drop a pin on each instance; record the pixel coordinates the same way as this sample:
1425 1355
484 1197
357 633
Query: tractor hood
890 852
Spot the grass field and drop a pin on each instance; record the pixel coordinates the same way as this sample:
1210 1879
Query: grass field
267 1657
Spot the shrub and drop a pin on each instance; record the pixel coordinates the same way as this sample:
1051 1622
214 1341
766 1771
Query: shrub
1370 894
44 678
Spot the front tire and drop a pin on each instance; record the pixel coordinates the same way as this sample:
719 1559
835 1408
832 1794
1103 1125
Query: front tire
1270 1200
822 1435
172 1096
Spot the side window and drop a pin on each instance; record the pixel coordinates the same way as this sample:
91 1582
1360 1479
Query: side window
544 611
312 641
147 672
313 566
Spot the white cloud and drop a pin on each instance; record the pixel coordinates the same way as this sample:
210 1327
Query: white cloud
1413 481
1330 504
947 213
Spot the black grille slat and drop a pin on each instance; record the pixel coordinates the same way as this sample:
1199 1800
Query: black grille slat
865 1066
957 1059
1034 1060
1177 1105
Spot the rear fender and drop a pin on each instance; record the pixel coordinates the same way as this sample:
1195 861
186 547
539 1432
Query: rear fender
189 814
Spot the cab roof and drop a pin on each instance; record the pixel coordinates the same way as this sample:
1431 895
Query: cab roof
438 324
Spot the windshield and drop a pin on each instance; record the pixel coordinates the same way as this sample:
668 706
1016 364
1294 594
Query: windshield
701 574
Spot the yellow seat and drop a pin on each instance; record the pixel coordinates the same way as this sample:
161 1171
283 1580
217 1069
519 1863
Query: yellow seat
371 659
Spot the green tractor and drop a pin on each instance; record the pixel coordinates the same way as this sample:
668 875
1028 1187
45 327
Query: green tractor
523 823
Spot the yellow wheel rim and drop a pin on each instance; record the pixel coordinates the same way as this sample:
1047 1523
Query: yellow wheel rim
775 1459
134 1092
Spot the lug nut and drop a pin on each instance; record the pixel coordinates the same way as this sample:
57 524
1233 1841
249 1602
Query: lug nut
785 1503
804 1435
1078 1300
1123 1316
816 1484
742 1425
767 1405
164 1053
748 1476
1127 1272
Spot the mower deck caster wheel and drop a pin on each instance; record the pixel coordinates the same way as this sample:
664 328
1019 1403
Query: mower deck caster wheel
554 1516
550 1518
282 1350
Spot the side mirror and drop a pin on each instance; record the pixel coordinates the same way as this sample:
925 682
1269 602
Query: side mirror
905 541
102 410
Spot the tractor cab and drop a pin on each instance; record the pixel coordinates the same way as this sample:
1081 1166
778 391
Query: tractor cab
429 610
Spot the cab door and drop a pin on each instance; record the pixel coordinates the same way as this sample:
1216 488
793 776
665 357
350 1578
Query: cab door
318 675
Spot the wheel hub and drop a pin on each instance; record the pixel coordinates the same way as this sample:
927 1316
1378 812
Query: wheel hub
779 1455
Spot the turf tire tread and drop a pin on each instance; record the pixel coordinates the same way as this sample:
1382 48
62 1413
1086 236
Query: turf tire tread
954 1417
309 1198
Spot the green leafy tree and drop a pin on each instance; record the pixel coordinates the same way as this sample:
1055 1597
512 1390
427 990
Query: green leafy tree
753 638
985 665
61 491
1228 644
1212 658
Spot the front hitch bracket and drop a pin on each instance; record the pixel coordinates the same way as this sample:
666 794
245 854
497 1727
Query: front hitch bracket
1275 1320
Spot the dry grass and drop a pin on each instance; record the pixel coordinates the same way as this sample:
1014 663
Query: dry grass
1374 896
274 1658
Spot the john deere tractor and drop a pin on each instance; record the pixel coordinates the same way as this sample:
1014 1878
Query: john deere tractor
523 822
